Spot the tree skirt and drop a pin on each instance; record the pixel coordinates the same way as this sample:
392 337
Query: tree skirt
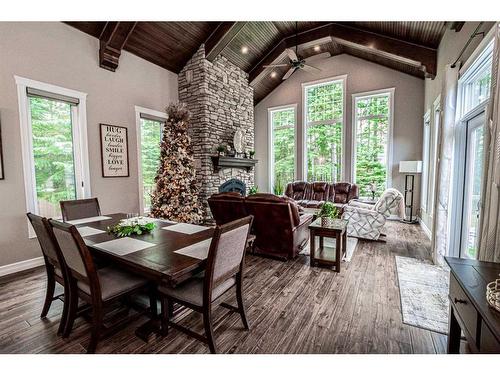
352 242
423 289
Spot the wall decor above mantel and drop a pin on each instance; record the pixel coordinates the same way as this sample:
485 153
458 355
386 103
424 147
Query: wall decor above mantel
233 162
114 151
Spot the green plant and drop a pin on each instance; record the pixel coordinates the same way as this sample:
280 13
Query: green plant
251 153
253 190
221 148
128 227
278 187
328 209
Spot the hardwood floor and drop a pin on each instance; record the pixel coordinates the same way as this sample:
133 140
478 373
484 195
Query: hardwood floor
291 307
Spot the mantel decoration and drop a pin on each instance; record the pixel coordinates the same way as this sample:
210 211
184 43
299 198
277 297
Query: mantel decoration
175 196
328 213
493 294
114 151
136 225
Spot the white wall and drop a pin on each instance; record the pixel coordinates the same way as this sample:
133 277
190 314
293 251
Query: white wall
362 76
61 55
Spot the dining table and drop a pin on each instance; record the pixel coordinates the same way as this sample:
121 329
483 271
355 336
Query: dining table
158 255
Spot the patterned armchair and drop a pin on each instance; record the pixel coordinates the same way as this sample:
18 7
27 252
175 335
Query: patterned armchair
366 221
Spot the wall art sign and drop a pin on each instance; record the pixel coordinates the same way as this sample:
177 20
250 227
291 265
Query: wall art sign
114 151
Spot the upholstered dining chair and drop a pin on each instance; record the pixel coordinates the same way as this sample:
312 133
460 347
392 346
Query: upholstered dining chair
224 270
80 209
98 287
54 266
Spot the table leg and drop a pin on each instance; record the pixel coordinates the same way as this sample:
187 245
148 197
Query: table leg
338 251
312 247
321 243
344 243
454 333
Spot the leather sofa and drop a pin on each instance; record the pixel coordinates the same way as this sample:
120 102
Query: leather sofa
281 230
314 194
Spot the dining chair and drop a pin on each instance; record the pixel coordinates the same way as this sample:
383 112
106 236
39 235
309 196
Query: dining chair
224 270
100 288
80 209
54 266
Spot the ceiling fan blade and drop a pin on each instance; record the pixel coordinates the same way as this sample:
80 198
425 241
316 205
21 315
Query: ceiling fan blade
311 69
291 54
276 65
289 73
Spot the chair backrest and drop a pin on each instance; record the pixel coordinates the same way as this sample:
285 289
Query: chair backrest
296 190
80 209
227 250
76 255
391 200
319 191
46 239
227 207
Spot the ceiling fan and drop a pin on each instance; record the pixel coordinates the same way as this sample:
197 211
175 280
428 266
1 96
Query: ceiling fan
296 62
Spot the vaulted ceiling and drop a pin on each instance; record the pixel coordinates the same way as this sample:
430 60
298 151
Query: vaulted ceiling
409 47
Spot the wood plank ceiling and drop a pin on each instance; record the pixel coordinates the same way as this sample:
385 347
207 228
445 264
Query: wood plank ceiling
408 47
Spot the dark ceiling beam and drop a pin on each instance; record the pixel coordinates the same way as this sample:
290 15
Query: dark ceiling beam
111 41
224 33
456 25
415 54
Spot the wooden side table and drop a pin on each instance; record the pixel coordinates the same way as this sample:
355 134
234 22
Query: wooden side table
325 255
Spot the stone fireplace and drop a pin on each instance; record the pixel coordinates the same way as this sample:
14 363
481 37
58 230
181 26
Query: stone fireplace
233 185
221 101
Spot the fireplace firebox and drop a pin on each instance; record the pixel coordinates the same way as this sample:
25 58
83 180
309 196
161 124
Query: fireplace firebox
233 185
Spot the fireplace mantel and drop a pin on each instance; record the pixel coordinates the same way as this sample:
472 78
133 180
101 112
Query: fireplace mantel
221 162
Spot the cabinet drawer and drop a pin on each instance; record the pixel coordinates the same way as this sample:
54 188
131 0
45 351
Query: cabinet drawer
464 308
489 343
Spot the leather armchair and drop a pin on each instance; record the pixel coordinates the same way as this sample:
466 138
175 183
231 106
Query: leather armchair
314 194
227 207
280 230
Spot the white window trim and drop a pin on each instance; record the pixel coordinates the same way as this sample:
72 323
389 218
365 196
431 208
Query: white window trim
151 112
305 86
424 195
390 147
81 158
270 138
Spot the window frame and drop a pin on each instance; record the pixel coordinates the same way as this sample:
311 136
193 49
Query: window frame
160 115
426 161
323 82
390 131
270 137
80 141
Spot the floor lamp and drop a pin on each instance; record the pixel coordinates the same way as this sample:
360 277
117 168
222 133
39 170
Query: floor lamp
410 168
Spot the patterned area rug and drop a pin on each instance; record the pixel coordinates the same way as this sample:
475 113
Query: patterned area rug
423 288
352 242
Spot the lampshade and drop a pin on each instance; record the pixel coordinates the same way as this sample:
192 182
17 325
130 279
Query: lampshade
414 166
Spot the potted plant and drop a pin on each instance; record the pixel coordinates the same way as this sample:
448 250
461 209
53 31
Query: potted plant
278 187
327 213
251 153
220 149
253 190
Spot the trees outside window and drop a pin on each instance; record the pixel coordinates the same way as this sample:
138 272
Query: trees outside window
324 113
372 117
151 131
282 124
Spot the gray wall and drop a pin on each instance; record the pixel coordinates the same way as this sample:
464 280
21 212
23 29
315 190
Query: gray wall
61 55
449 48
362 76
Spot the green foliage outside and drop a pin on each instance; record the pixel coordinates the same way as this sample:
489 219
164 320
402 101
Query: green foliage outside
53 153
283 123
150 156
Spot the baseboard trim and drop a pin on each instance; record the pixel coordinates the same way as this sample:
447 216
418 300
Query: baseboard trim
425 229
21 266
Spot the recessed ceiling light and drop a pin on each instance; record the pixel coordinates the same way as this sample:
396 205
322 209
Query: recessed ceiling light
273 74
317 48
244 50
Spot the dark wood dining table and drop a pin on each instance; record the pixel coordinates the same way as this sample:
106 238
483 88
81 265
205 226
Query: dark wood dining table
159 263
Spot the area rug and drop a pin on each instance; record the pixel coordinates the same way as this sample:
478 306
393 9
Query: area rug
352 243
423 288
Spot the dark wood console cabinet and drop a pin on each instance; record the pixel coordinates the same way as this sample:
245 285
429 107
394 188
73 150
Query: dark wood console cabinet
470 313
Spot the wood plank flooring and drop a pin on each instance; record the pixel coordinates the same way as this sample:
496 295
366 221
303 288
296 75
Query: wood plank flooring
292 308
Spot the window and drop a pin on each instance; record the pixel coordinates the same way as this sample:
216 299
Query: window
372 140
426 159
55 157
324 119
149 133
282 142
435 125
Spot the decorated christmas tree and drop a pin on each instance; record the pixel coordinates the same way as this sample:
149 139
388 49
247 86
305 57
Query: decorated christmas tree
176 194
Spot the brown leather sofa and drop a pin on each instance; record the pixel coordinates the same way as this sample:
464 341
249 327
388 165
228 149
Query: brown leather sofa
280 230
314 194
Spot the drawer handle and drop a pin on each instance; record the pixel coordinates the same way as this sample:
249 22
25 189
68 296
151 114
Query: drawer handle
458 300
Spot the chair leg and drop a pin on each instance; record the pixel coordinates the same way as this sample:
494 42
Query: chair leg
165 315
241 305
207 322
153 301
96 328
49 293
64 316
72 309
